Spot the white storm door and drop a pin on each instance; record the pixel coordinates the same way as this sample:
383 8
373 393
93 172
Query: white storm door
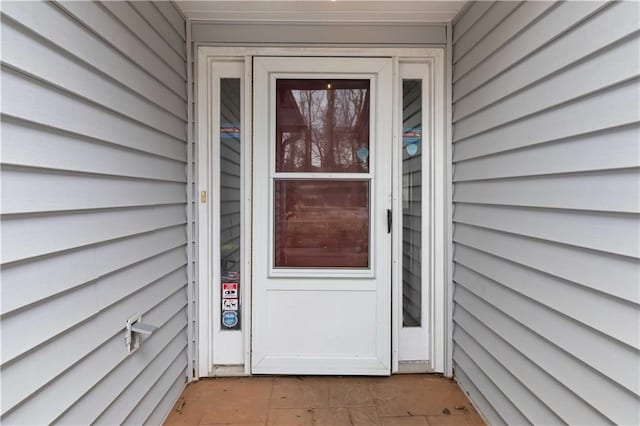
322 137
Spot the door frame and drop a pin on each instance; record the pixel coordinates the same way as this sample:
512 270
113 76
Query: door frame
439 259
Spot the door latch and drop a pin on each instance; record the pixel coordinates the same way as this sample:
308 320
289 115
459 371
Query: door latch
389 221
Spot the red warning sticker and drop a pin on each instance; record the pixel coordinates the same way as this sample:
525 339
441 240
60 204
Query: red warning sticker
230 290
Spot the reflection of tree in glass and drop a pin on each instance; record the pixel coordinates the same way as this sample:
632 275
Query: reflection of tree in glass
322 125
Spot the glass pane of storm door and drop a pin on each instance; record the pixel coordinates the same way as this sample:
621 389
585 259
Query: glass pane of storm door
322 127
321 223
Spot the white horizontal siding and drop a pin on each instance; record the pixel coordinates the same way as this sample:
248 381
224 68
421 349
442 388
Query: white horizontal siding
612 66
546 156
71 35
468 43
131 41
154 15
81 116
34 56
86 340
59 191
597 112
93 210
28 144
513 365
605 150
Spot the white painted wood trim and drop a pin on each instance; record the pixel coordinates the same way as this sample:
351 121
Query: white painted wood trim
204 273
448 203
246 231
414 342
396 225
439 249
228 344
354 12
401 52
208 235
192 219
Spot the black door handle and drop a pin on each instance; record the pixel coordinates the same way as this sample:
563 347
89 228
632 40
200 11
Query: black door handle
389 221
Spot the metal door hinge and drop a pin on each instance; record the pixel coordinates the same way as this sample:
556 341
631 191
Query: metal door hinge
203 196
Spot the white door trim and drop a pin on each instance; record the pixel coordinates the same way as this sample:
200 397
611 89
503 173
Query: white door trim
414 342
441 177
208 182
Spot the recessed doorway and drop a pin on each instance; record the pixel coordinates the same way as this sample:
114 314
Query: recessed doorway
322 184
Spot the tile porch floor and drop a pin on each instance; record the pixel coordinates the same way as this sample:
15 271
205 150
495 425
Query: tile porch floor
416 399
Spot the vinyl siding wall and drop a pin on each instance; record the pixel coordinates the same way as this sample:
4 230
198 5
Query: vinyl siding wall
93 210
546 107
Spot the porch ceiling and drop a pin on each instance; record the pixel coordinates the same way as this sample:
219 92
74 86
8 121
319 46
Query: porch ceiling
321 10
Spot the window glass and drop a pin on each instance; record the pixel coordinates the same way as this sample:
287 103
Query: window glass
411 202
322 125
321 223
230 161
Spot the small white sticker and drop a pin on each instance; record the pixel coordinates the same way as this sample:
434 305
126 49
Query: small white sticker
230 294
230 304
